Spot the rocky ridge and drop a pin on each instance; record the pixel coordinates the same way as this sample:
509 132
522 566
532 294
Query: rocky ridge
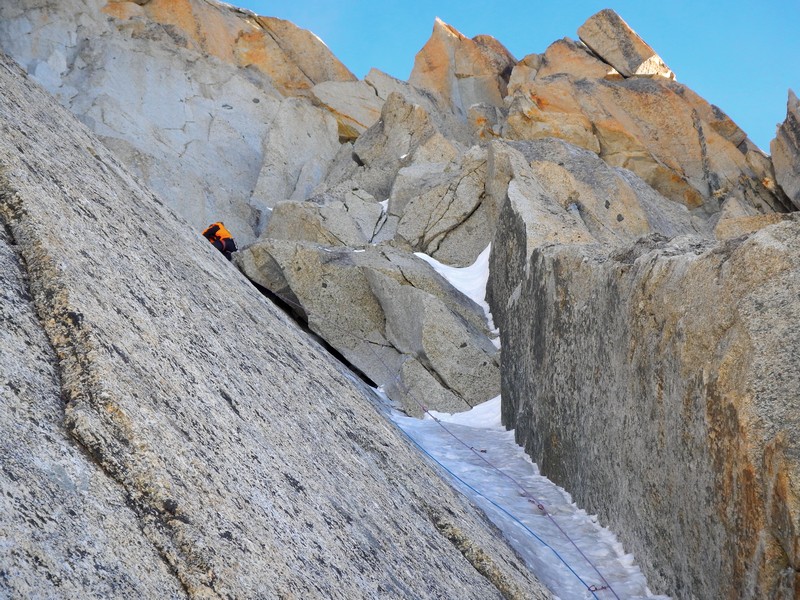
609 192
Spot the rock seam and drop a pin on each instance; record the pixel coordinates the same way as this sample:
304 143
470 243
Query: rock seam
72 347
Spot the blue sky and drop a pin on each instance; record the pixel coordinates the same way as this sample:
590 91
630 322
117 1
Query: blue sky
741 55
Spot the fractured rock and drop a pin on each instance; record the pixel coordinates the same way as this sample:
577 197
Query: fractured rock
524 71
389 314
557 194
446 122
549 108
615 205
679 144
418 324
615 42
785 150
486 121
211 443
575 59
355 104
294 59
404 132
355 220
441 210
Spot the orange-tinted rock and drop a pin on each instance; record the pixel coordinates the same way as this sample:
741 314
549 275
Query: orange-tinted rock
549 109
786 151
684 147
462 71
573 58
355 105
735 227
615 42
293 58
524 71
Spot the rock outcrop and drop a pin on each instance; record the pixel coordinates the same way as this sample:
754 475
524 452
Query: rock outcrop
462 71
293 59
214 110
786 151
666 386
687 150
413 333
167 419
356 105
616 43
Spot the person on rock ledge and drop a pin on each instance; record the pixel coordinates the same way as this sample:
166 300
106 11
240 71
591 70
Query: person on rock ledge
221 238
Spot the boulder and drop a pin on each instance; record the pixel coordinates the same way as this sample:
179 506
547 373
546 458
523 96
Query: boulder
462 71
524 71
169 432
575 59
389 314
459 356
616 43
404 133
785 150
446 122
355 220
441 208
355 104
659 383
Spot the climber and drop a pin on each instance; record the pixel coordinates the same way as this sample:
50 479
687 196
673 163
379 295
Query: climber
221 238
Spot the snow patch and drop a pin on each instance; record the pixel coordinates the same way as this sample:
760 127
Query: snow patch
486 465
470 281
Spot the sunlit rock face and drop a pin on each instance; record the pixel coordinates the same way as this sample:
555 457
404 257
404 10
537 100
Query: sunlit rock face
786 151
612 39
462 71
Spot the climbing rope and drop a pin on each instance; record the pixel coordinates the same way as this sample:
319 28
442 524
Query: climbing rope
593 589
530 497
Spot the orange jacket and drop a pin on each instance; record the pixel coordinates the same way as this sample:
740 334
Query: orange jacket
217 231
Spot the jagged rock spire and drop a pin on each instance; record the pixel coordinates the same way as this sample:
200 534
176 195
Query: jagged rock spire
785 150
462 71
